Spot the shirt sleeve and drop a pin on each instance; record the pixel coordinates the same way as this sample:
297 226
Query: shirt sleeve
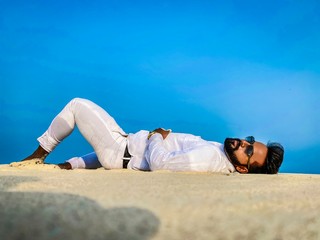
197 157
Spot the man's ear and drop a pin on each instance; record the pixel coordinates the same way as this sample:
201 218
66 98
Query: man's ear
241 169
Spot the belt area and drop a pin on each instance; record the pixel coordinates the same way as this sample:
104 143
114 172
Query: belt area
126 157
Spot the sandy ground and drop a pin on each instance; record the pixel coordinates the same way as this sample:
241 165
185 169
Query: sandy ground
42 202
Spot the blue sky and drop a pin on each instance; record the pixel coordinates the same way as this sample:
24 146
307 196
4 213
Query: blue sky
214 69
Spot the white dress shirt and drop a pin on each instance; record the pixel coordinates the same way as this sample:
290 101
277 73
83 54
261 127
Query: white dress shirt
178 152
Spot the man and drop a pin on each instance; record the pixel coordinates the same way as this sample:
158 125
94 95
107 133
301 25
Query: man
149 151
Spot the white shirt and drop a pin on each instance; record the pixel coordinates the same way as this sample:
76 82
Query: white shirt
178 152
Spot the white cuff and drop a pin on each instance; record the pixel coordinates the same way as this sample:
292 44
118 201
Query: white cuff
77 163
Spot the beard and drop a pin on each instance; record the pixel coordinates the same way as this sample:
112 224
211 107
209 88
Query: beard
230 146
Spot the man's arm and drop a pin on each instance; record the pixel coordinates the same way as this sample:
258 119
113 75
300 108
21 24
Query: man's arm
194 158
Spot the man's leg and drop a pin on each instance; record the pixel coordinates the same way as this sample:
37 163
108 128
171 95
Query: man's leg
94 123
88 161
39 154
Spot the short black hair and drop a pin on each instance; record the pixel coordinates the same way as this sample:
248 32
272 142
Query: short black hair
273 160
274 157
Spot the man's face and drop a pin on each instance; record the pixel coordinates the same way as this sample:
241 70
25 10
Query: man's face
238 152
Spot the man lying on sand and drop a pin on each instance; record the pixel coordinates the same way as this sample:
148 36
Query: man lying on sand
149 151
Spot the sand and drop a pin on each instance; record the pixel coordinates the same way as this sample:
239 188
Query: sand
43 202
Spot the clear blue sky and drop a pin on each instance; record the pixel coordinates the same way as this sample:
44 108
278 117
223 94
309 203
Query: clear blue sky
233 68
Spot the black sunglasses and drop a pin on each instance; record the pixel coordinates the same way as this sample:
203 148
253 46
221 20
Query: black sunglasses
249 149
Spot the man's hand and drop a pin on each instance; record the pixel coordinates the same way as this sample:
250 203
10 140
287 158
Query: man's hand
162 131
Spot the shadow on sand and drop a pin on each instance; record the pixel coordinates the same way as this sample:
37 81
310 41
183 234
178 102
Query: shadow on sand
37 215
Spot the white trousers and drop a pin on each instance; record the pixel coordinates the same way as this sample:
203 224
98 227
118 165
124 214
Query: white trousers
97 127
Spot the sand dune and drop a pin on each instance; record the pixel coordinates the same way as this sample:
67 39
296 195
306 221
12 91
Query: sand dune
42 202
